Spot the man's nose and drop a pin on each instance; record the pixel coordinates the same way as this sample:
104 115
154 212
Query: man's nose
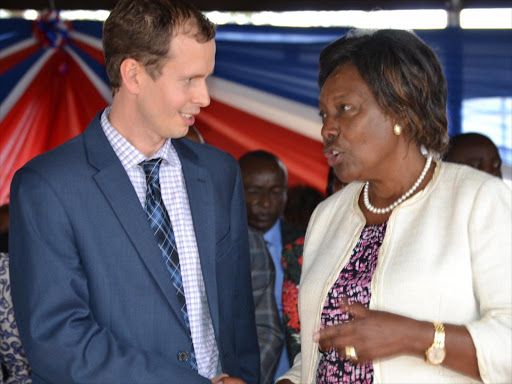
201 95
265 200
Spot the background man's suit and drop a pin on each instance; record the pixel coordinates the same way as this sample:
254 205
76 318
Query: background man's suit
268 320
268 323
94 295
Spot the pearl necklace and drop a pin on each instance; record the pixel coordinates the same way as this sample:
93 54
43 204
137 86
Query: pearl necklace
402 198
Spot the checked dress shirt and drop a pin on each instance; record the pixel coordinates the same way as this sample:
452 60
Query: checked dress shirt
175 198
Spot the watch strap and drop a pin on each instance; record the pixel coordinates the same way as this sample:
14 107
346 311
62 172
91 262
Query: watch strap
439 335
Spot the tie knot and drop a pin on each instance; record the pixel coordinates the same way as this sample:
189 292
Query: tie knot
151 169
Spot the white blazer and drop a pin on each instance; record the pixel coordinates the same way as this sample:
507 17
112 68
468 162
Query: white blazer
446 256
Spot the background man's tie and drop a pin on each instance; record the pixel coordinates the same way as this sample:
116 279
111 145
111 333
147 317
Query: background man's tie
162 229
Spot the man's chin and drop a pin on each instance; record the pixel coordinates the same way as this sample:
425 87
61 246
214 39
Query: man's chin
262 226
178 133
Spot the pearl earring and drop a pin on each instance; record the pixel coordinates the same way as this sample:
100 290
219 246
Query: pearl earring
397 129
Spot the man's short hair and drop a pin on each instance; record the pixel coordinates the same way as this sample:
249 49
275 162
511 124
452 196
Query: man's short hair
264 156
143 29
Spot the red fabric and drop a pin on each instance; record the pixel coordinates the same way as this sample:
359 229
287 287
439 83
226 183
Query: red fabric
238 132
58 104
53 109
96 54
11 61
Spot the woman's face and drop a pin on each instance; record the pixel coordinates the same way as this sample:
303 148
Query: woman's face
359 142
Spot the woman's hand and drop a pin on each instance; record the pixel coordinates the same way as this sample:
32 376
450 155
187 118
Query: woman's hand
376 334
373 334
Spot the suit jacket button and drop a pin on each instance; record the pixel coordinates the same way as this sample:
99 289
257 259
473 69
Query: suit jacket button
182 356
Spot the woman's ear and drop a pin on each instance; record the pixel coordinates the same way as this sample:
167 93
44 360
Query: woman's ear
403 121
131 72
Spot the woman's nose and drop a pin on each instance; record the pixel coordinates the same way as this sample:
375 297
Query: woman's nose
329 130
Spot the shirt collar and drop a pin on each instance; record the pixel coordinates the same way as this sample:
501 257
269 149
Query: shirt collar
128 154
273 235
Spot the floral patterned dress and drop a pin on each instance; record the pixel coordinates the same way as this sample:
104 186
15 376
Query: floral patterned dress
354 283
14 367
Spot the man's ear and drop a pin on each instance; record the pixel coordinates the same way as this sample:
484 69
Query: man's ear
131 75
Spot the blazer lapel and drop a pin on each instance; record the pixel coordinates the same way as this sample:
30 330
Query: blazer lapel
200 195
118 190
331 249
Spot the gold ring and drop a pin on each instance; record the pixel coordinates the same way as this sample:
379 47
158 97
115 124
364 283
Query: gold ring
350 352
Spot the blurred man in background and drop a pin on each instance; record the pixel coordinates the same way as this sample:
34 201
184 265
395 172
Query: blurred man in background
475 150
265 181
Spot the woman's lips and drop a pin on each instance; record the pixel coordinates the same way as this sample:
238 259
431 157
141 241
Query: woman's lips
333 157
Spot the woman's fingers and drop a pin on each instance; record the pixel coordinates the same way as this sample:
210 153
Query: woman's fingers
341 335
325 345
355 310
331 336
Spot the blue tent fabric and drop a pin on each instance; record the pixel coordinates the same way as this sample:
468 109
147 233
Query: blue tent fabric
92 28
13 31
476 63
283 61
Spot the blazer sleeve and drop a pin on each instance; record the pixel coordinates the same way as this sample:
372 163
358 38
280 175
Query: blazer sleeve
63 342
490 243
294 373
246 341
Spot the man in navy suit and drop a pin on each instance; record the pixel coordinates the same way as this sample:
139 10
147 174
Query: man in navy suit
129 250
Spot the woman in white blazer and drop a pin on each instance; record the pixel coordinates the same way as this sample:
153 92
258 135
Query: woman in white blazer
407 271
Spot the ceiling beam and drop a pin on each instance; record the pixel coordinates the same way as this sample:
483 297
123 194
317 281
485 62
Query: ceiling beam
270 5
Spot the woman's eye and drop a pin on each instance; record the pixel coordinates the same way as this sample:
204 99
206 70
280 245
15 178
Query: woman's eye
188 80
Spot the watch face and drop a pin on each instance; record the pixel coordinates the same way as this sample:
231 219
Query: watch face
436 355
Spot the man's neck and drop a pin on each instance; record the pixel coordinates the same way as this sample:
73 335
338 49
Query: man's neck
124 118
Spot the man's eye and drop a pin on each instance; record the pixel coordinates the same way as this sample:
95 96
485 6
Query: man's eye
322 115
346 107
188 80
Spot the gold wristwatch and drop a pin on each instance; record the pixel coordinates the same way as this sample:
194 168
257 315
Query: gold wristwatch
437 352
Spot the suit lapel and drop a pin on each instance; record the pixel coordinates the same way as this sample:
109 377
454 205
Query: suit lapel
200 195
119 192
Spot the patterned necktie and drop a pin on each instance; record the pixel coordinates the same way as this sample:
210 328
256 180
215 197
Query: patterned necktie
162 229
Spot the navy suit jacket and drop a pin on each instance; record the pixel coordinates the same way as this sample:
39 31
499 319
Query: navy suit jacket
92 297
